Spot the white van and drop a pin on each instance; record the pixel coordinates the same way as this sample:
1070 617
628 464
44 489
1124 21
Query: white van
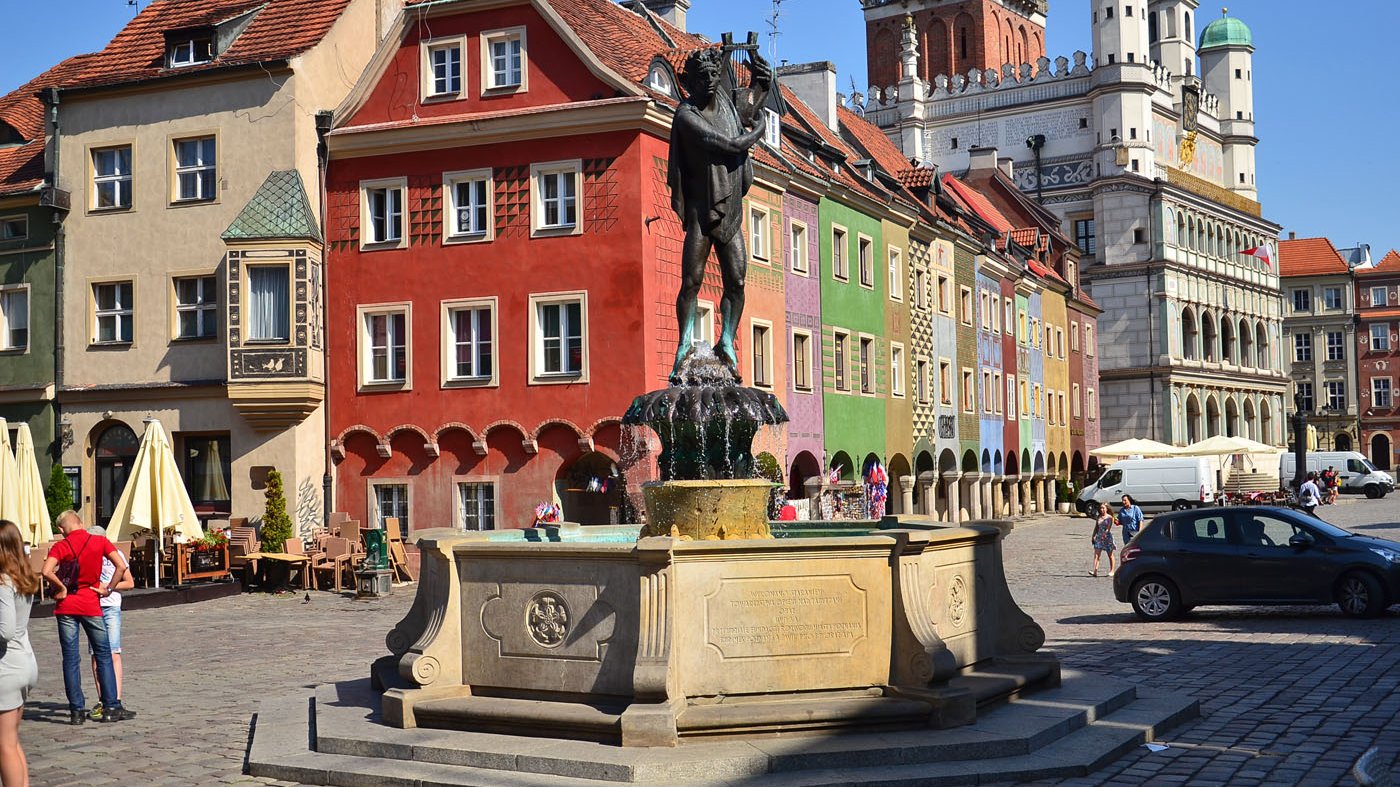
1355 473
1168 482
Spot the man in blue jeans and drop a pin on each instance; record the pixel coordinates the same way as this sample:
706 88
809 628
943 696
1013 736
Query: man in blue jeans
74 569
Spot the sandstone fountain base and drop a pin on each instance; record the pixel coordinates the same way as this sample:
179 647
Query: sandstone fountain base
707 510
652 642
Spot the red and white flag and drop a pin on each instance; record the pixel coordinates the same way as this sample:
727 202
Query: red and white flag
1260 253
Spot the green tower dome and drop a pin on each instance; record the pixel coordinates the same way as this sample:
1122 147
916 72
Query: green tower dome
1225 31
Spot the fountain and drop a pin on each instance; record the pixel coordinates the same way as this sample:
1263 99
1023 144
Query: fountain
616 641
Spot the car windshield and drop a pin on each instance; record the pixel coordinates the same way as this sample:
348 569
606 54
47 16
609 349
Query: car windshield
1111 478
1326 529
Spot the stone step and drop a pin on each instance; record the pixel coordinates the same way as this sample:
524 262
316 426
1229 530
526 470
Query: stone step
1063 732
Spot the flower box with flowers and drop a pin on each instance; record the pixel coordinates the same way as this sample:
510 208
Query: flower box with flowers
209 555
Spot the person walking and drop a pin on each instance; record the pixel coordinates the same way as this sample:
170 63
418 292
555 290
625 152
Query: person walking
1309 496
19 672
1129 518
112 618
1331 481
79 592
1103 538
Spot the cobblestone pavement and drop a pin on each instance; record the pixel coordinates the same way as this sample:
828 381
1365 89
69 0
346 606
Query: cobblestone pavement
1288 695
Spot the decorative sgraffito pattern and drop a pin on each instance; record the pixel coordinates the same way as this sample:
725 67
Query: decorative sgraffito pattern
513 202
600 195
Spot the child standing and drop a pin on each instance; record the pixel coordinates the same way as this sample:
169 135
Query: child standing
1103 538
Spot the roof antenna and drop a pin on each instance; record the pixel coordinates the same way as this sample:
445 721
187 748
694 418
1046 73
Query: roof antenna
773 31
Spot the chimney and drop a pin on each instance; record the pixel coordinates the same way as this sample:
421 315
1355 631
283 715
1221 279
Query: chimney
673 11
981 158
1293 236
815 84
1007 165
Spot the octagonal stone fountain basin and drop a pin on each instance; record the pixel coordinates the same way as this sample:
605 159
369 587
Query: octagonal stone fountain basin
589 633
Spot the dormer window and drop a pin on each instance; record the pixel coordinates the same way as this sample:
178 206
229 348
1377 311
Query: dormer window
189 48
659 79
772 134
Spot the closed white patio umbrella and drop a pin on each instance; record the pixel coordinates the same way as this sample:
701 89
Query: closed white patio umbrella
9 477
1220 445
155 497
33 512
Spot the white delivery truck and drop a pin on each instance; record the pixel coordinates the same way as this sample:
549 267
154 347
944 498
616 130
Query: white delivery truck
1355 473
1168 482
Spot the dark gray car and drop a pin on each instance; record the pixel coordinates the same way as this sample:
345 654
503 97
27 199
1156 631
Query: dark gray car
1254 555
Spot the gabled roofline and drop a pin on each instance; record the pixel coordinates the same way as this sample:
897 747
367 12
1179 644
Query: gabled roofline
394 40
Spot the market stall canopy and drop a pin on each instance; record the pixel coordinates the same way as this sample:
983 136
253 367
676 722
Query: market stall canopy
155 497
1221 445
33 514
1135 447
9 477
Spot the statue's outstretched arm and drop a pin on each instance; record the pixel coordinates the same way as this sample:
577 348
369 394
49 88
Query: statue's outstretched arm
698 131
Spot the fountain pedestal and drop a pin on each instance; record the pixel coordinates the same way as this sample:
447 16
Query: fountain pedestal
707 510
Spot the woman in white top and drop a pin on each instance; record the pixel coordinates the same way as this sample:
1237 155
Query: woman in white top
18 670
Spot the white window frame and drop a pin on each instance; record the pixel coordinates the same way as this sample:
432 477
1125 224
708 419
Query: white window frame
945 295
1092 408
897 369
1075 401
1337 348
537 375
1384 298
1306 293
998 395
921 380
458 509
1060 407
798 252
1383 345
946 382
1074 337
865 260
965 305
760 233
448 367
206 173
704 322
841 360
7 231
428 77
490 86
920 289
562 170
7 343
896 272
1332 386
248 324
761 337
407 484
867 362
772 129
996 313
1376 392
1010 400
365 354
202 309
173 52
1089 340
121 182
368 238
1303 390
1341 298
803 354
451 233
969 391
120 313
840 253
988 400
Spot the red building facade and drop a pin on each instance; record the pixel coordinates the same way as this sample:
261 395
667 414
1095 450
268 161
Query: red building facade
1378 358
503 262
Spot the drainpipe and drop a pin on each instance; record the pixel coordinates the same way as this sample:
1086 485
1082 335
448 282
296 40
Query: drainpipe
1151 321
323 126
50 97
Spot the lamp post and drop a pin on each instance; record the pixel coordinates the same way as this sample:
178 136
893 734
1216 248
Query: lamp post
1299 424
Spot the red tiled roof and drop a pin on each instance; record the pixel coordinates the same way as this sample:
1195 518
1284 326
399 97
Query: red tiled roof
917 177
620 38
1389 264
22 166
279 29
1308 257
979 204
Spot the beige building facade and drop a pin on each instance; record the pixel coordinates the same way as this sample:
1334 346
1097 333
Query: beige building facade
191 262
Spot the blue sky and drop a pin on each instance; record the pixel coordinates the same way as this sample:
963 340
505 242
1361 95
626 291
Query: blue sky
1325 87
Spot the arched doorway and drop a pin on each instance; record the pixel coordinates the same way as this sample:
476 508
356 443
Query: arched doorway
844 467
924 478
1380 450
1251 427
113 455
804 466
1212 417
1342 442
1232 418
1193 419
592 492
899 473
1266 423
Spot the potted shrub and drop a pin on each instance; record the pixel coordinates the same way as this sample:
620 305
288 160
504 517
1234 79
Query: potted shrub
1064 496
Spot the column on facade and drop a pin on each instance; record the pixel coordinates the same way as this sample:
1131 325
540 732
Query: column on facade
950 481
1013 503
973 488
989 502
1045 487
906 494
1029 503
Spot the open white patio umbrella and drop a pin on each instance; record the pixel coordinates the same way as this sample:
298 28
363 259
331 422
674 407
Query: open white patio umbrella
1220 445
1135 447
33 513
9 477
155 498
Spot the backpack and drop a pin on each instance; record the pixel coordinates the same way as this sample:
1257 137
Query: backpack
68 570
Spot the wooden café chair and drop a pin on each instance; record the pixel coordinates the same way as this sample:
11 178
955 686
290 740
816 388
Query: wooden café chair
336 559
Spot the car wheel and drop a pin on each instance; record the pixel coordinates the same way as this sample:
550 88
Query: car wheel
1373 492
1082 507
1360 595
1180 505
1155 598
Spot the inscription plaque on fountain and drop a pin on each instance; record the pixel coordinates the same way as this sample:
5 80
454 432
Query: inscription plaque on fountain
775 617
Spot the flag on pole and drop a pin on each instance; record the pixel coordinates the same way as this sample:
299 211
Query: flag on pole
1260 253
